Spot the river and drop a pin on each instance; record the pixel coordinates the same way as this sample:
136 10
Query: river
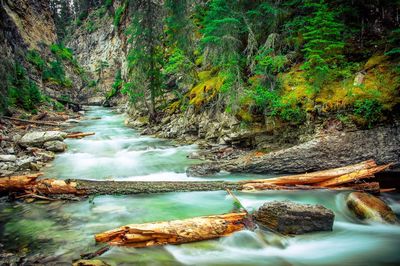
64 230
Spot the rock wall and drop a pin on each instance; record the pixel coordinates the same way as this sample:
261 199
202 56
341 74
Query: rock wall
105 43
326 150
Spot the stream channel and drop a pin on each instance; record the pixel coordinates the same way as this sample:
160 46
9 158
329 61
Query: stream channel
64 230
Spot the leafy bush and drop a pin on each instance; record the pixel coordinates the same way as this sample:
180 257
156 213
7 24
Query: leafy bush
108 3
63 52
368 109
118 15
34 58
22 91
90 27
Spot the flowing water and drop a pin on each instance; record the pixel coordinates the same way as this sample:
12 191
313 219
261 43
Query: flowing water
64 230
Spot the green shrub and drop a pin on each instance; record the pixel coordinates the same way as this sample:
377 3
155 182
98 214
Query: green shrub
22 92
118 15
63 52
34 58
108 3
368 109
90 27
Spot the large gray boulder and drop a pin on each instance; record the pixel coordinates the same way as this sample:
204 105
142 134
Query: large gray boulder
289 217
55 146
37 138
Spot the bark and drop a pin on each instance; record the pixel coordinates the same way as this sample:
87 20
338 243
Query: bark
174 232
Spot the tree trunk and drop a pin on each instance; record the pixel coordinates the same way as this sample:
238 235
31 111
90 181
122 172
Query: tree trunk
174 232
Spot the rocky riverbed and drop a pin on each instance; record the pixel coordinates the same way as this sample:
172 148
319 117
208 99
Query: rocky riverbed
28 146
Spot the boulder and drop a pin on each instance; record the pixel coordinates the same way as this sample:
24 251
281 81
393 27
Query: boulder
203 169
37 138
293 218
7 158
55 146
368 207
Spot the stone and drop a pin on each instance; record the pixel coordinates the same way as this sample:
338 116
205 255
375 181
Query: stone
90 263
368 207
55 146
325 151
16 138
37 138
25 163
8 158
203 169
288 217
45 156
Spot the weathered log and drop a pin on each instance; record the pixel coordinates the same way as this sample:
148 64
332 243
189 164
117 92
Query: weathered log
79 135
18 183
315 177
174 232
77 187
32 121
368 207
354 176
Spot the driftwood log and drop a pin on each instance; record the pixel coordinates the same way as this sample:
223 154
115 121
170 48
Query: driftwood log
345 178
175 232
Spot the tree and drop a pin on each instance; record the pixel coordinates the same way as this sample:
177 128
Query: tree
324 43
145 58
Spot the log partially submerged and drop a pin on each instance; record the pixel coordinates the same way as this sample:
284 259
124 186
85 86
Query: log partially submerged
174 232
339 179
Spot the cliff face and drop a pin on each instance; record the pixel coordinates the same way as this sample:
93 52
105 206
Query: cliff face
25 24
101 49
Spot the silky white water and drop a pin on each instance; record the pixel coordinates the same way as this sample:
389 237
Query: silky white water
64 230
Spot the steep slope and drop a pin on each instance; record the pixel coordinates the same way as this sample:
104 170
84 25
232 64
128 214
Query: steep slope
100 47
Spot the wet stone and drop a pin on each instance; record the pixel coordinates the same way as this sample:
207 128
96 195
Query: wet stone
289 217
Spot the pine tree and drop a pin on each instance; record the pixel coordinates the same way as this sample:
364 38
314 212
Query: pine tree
145 57
324 43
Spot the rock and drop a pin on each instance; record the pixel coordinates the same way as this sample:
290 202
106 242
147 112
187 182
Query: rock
10 150
45 156
8 158
16 138
203 169
326 151
25 163
35 166
37 138
55 146
368 207
90 263
293 218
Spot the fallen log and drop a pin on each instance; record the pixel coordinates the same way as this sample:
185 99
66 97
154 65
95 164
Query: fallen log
78 187
354 176
174 232
315 177
79 135
31 121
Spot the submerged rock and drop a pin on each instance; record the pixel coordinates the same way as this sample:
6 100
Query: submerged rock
368 207
55 146
293 218
37 138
